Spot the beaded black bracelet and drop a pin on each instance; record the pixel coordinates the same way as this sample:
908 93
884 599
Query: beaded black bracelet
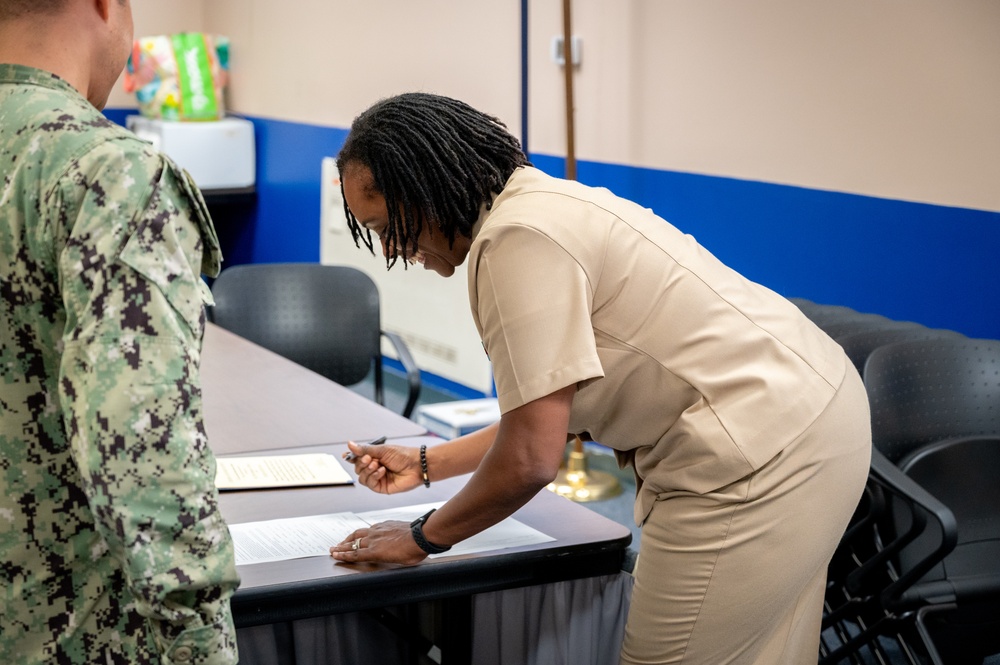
423 465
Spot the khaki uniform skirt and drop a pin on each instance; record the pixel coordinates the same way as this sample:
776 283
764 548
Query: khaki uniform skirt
737 576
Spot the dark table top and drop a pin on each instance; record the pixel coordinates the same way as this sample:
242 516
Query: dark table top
257 400
257 403
586 544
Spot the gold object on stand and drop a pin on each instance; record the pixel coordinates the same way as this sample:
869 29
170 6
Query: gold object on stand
577 482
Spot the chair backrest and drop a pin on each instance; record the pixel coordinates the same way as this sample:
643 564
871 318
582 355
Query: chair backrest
819 313
840 327
962 473
859 344
323 317
929 390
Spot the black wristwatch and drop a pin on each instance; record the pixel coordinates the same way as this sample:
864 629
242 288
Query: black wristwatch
417 529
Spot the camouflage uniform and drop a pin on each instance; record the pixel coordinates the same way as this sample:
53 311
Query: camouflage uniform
112 547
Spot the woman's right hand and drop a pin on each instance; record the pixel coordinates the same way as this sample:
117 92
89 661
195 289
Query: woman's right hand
387 469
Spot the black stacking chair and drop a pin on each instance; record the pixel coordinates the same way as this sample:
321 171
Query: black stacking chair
918 572
859 344
819 313
849 325
326 318
836 320
802 303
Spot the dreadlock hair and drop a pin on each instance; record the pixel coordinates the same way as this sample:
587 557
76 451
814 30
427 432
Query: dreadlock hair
434 159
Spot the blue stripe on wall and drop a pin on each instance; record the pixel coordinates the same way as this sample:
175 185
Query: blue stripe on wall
286 223
933 264
912 261
118 115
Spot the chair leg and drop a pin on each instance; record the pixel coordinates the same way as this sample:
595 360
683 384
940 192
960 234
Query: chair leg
379 390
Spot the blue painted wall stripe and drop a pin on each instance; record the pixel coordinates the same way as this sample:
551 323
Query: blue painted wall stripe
933 264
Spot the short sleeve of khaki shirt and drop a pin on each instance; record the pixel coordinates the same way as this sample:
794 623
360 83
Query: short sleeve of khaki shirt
532 304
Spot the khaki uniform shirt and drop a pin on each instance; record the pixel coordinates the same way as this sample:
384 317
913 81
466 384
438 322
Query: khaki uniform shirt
695 374
112 547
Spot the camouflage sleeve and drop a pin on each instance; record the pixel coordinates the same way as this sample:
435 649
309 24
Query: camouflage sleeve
131 395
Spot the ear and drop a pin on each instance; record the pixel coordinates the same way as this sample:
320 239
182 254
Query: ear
103 8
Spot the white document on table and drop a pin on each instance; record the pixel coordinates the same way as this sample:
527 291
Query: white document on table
273 471
299 537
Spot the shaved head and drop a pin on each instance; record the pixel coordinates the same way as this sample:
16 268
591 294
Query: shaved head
17 8
84 42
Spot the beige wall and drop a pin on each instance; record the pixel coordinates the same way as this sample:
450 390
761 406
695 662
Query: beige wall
323 61
879 97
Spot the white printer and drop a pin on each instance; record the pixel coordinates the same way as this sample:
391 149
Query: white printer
219 154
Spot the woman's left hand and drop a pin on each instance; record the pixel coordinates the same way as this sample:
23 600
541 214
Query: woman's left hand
385 542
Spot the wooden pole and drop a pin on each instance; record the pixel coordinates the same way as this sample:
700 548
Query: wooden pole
568 76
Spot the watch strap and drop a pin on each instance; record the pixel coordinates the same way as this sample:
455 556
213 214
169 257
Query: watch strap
417 529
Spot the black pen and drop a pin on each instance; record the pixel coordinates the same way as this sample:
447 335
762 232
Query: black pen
350 457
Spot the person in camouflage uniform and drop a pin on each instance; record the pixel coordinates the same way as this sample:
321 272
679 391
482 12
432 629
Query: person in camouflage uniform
112 546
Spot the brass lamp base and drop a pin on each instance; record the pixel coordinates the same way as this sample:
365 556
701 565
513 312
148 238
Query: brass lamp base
577 483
